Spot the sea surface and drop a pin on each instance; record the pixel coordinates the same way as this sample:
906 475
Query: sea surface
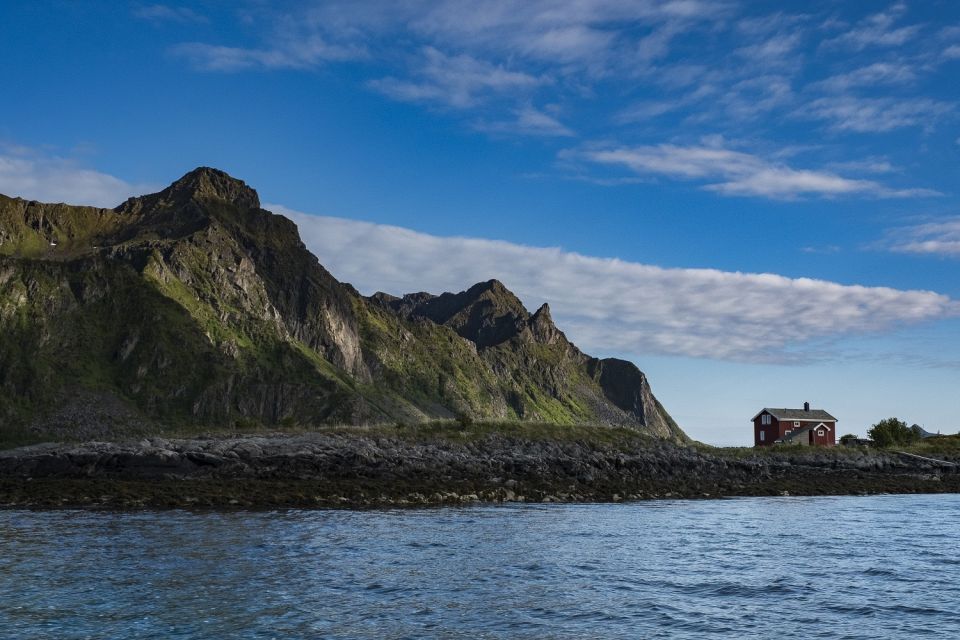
837 567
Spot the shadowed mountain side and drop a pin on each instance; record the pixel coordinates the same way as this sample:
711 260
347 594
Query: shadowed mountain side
194 306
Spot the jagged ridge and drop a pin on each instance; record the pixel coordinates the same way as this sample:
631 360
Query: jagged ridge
195 306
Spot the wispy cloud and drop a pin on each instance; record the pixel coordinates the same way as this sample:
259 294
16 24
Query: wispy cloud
528 121
823 250
302 54
872 115
691 67
167 13
591 34
877 30
615 306
32 175
878 73
775 51
736 173
458 81
874 165
752 97
941 238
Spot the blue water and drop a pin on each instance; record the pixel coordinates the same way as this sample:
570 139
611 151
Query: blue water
845 567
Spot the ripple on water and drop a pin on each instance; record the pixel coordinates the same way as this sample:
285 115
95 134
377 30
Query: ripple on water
877 567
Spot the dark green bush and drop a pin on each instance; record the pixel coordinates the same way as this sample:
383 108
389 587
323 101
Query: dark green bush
892 431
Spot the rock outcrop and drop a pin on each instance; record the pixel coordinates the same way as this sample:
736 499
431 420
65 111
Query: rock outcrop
356 469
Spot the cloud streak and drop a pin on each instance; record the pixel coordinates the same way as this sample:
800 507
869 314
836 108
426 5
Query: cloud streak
165 13
307 53
735 173
877 30
614 306
527 121
457 81
941 238
875 115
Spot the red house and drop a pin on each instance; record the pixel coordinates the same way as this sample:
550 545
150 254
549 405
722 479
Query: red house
794 426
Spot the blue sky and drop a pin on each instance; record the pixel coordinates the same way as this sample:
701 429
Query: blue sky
756 204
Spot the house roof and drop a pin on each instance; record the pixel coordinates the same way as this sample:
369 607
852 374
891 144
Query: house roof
797 414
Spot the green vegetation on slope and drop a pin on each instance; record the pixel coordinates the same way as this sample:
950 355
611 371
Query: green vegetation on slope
194 308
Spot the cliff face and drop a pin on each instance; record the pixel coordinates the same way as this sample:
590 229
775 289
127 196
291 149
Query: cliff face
196 306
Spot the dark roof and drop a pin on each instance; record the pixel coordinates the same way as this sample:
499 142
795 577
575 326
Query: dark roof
798 414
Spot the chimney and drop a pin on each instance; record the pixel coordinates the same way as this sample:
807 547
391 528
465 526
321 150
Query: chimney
806 406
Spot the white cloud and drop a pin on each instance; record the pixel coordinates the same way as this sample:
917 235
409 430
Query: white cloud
730 172
777 50
589 37
527 121
162 12
458 81
874 164
932 238
952 52
878 73
614 306
300 54
877 30
826 249
752 97
27 174
586 34
872 115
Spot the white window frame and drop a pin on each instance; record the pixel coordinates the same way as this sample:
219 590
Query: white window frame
796 423
763 436
765 418
820 432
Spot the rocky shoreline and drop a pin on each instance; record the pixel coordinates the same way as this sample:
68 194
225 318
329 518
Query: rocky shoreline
358 470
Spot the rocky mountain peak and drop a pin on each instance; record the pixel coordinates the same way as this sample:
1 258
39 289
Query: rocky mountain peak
206 182
543 314
542 326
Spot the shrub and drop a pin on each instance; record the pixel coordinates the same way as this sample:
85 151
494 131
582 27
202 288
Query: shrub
892 431
246 423
848 437
465 420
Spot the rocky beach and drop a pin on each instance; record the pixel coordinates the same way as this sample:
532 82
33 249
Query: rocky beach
378 469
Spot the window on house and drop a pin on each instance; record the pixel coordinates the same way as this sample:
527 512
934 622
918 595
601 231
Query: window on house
762 436
796 424
765 418
819 432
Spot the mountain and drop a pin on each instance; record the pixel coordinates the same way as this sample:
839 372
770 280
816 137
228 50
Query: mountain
194 306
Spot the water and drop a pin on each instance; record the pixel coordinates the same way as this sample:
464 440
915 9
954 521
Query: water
845 567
